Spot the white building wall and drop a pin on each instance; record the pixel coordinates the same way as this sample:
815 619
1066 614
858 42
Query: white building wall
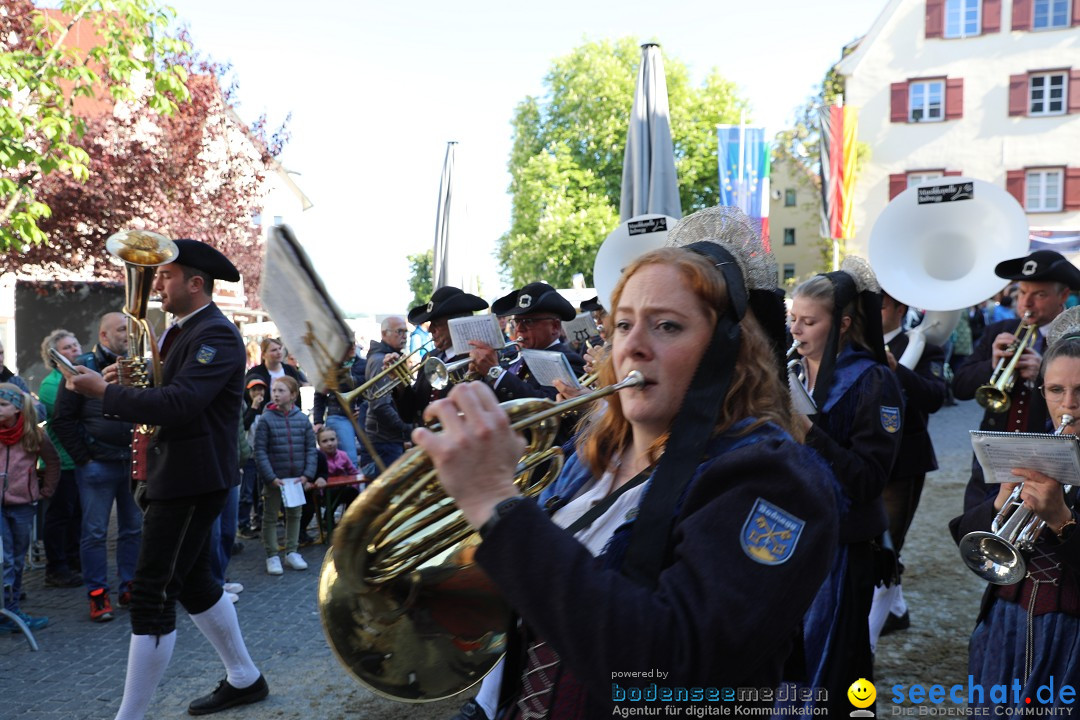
986 142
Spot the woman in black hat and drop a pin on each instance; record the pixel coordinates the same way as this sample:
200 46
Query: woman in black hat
836 318
689 529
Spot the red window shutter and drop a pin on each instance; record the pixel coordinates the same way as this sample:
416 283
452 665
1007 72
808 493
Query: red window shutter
897 184
991 16
1014 184
1072 188
953 173
1021 15
1074 90
1076 12
899 102
954 98
935 18
1018 94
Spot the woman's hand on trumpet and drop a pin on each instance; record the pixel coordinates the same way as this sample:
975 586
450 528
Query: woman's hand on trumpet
1041 493
476 453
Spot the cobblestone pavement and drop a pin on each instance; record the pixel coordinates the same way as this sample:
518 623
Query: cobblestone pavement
79 671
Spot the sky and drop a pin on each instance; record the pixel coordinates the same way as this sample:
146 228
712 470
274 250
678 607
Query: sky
375 91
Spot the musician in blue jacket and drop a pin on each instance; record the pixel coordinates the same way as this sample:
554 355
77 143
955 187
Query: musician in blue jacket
186 469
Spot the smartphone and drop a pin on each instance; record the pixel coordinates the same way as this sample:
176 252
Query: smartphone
62 363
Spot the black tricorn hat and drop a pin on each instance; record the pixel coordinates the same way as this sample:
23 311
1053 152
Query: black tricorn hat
534 298
1040 266
200 256
592 305
446 301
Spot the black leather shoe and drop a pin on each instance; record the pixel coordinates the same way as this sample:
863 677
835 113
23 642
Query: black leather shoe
471 710
895 622
226 696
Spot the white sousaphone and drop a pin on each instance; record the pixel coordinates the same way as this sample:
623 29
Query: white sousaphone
935 247
633 238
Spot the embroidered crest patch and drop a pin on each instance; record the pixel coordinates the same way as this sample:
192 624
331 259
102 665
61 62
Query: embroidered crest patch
769 535
890 418
205 354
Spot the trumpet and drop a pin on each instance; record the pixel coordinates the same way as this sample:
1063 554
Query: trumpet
440 374
994 396
403 606
996 556
801 401
397 373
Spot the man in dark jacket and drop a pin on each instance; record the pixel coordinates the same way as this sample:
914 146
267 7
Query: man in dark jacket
539 312
384 426
190 464
100 447
1045 278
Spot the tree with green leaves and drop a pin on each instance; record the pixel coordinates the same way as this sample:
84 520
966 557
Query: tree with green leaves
566 161
44 74
421 274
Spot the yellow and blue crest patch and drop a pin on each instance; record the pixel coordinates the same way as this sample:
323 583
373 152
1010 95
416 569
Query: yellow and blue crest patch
205 354
769 535
890 418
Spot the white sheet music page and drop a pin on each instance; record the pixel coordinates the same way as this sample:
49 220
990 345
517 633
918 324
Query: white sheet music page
547 366
580 329
484 328
1057 456
292 493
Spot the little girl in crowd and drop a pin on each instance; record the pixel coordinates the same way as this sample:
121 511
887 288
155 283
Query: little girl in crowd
22 443
284 451
332 462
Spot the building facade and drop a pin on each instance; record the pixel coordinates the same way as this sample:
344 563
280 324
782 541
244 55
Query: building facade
988 89
794 220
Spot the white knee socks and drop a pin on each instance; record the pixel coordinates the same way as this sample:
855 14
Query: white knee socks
148 656
221 627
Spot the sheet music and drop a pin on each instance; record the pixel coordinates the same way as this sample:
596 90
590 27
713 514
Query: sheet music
484 328
292 493
548 365
1057 456
580 329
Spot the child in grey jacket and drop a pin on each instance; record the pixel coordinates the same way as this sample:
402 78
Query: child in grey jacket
284 453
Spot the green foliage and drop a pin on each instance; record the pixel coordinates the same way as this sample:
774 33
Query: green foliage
567 157
42 76
422 276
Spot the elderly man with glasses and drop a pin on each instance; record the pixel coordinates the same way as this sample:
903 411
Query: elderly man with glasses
384 426
538 311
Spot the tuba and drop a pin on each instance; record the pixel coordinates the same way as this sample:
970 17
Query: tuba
404 607
995 556
935 247
142 252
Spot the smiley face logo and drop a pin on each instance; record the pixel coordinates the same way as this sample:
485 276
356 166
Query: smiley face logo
862 693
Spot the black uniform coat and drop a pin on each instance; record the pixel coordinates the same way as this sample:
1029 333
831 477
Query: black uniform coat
1027 414
524 385
197 408
924 393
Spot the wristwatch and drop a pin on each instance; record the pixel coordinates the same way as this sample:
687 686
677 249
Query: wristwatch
497 513
494 373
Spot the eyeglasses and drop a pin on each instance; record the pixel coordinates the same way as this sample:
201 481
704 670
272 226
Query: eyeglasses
526 323
1057 393
402 331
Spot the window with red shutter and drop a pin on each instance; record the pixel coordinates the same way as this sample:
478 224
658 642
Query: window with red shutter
1076 13
954 98
898 98
1014 184
1021 15
1074 90
1018 94
1072 188
991 16
897 184
935 18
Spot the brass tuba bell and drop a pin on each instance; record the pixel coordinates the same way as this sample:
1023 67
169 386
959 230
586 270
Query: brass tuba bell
142 251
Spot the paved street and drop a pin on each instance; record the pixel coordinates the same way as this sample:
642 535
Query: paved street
79 671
